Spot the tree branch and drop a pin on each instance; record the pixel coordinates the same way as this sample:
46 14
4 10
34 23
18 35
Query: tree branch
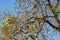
55 14
57 28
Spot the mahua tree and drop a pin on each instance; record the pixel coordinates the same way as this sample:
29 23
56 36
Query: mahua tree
32 19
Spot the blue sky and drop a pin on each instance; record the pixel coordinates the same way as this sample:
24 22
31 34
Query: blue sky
9 4
6 4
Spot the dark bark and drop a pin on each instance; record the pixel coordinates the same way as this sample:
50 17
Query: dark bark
57 28
32 37
55 14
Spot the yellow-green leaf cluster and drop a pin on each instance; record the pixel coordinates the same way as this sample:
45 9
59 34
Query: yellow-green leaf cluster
10 27
24 38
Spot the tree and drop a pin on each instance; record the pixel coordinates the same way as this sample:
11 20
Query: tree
30 23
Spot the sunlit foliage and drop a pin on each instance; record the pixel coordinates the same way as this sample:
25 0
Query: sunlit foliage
10 27
30 23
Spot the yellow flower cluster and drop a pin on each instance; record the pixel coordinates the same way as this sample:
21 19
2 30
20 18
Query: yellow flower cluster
10 19
55 9
31 29
10 27
24 38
